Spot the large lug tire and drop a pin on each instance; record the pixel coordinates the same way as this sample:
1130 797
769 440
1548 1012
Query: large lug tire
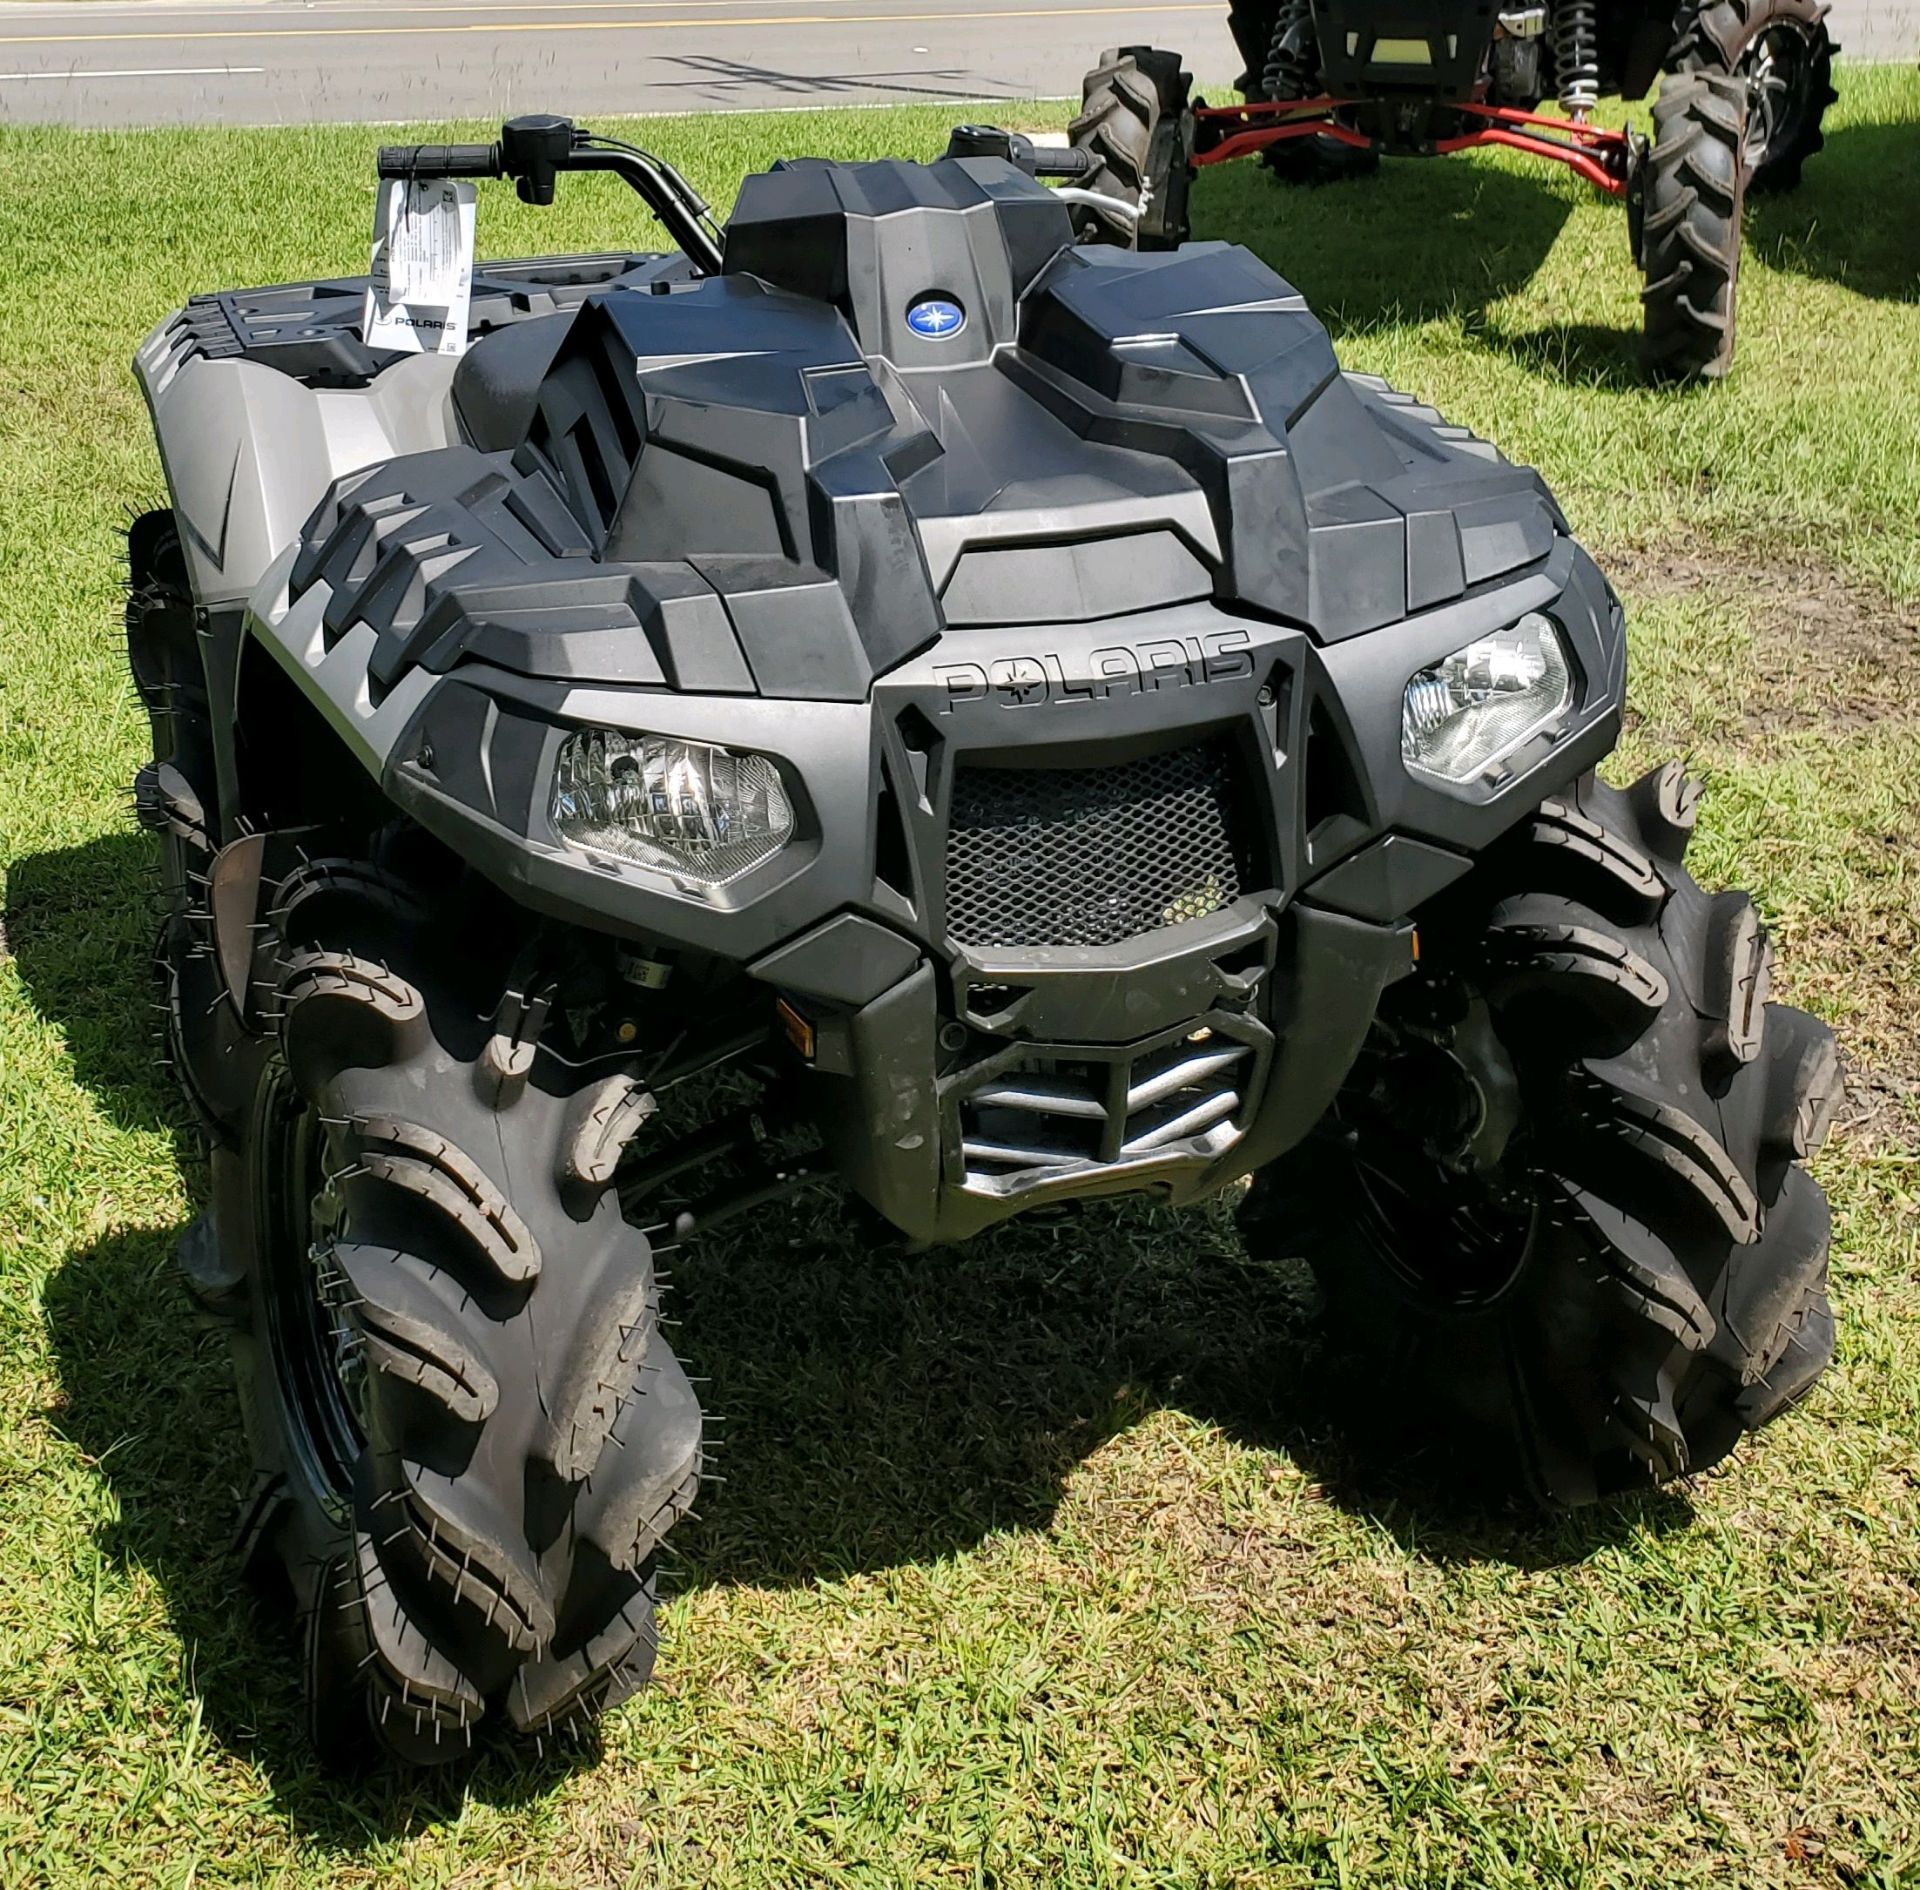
469 1436
1278 42
1692 186
174 799
1627 1270
1782 52
1137 121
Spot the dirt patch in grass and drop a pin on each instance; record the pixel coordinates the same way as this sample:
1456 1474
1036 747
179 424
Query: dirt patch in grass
1832 653
1798 686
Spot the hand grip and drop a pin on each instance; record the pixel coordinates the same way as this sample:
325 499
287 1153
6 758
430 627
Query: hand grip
1063 161
439 160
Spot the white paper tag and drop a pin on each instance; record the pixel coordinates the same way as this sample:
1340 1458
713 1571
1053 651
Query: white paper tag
421 276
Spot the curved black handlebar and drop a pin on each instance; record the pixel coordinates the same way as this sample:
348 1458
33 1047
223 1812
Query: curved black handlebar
534 150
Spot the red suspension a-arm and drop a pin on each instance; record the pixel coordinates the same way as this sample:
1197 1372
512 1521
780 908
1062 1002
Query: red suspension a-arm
1232 131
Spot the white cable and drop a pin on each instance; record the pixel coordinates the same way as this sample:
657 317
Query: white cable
1099 200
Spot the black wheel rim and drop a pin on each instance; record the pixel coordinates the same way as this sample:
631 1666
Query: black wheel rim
315 1348
1455 1242
1777 68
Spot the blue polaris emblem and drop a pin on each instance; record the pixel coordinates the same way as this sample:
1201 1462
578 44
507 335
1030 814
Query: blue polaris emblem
935 318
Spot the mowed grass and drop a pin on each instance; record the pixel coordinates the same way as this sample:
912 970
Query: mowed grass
1037 1563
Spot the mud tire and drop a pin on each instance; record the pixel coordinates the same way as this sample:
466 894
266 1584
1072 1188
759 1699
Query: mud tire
467 1508
1137 120
1668 1291
1692 194
1783 50
173 799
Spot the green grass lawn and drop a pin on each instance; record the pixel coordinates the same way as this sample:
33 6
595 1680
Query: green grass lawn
1036 1563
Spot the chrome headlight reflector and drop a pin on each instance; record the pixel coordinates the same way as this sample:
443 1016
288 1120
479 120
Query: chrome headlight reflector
703 814
1464 716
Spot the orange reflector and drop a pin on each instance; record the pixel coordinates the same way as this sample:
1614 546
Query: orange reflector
1416 944
799 1031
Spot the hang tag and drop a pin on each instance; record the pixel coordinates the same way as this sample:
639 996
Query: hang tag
421 276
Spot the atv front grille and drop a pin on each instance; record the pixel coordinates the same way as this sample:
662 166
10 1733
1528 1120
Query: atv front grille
1092 856
1072 1112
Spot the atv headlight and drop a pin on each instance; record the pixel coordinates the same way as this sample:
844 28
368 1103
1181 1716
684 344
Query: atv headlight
701 813
1473 710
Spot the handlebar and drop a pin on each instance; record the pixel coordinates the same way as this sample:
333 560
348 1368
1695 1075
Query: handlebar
1037 160
440 160
534 150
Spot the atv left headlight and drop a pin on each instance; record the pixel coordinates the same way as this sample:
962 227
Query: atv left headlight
703 814
1468 713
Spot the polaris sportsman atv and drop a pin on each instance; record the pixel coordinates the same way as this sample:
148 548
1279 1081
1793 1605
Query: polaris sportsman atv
1331 84
1032 726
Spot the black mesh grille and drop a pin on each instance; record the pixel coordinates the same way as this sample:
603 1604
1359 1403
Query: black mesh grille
1091 856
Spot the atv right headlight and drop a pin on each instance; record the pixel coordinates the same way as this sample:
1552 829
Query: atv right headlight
1468 713
701 813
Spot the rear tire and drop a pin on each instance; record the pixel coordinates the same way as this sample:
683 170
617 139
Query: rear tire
174 798
1693 188
1612 1264
1782 52
1136 120
469 1437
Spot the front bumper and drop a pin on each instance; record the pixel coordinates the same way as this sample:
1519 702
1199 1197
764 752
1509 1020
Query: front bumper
959 1081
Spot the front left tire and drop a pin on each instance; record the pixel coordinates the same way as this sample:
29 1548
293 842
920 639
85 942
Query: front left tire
1136 121
1692 195
1560 1214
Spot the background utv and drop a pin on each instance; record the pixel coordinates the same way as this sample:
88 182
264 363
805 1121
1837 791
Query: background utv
1331 84
1021 725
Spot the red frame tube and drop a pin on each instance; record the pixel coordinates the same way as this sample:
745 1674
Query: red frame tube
1600 156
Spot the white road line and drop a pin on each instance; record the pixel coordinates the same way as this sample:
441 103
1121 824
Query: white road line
138 72
12 10
732 23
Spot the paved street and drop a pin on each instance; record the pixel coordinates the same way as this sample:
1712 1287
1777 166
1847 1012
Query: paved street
133 62
281 61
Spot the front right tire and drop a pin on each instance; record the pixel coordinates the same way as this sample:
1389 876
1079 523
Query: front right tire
469 1436
1560 1212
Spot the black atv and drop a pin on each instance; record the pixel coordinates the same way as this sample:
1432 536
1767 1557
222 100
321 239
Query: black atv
1331 84
891 697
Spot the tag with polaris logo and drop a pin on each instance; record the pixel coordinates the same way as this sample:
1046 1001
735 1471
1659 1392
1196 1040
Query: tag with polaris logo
421 276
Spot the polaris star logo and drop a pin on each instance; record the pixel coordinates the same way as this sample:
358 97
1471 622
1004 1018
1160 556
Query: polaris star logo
935 318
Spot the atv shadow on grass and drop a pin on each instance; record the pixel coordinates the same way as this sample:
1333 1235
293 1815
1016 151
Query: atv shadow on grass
1851 221
1427 241
147 1397
80 925
1419 241
882 1408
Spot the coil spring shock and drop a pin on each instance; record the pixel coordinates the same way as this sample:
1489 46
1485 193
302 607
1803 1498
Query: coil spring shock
1293 56
1576 56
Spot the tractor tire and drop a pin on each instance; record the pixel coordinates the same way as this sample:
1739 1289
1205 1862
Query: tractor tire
1781 50
1264 30
1692 189
469 1437
1137 121
1627 1271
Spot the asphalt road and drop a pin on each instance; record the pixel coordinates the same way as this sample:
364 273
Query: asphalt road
248 62
256 62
